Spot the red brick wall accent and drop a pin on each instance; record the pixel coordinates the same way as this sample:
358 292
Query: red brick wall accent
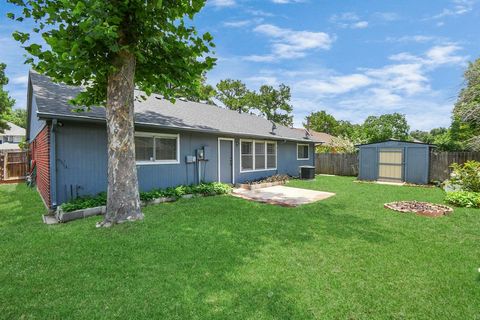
40 151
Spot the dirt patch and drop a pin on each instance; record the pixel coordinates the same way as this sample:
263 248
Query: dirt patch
421 208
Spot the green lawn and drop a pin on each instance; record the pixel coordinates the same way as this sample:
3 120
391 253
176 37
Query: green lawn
227 258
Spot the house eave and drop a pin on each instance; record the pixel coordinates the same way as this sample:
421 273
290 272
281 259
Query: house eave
81 118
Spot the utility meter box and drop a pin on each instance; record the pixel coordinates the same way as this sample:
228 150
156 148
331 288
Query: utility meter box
190 159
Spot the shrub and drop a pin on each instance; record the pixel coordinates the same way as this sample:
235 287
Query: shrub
466 176
274 178
212 188
464 199
85 202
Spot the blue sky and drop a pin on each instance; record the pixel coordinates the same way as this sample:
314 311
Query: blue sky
350 58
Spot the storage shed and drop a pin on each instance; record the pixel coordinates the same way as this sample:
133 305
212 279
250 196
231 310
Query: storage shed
395 161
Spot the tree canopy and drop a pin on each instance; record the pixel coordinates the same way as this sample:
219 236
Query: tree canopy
467 107
18 117
6 102
84 38
234 95
274 104
386 126
321 121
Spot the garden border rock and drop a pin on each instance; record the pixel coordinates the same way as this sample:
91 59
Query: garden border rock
425 208
63 216
261 185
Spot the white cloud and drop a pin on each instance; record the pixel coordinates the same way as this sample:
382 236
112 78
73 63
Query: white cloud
222 3
349 20
435 56
335 85
459 7
359 25
261 80
20 80
439 55
414 38
241 23
403 86
290 44
287 1
408 79
387 16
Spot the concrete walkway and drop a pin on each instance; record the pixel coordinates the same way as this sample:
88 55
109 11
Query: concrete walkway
281 195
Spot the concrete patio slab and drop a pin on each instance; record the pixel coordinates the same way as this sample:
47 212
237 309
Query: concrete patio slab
281 195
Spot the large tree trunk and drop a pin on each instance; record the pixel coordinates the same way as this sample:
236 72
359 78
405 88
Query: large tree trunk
123 201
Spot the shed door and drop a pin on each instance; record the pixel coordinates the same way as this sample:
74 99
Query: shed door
390 164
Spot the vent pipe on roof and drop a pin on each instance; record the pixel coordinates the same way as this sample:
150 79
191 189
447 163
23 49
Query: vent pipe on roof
307 129
274 128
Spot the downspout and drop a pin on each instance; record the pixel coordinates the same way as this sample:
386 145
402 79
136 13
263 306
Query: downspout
53 165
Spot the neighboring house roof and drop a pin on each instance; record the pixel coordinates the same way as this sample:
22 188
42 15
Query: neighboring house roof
52 101
13 131
322 137
9 146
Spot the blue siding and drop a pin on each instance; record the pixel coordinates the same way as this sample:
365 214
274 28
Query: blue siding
35 125
368 163
81 161
416 161
417 164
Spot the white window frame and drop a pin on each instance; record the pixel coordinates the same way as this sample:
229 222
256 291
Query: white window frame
303 144
253 155
159 135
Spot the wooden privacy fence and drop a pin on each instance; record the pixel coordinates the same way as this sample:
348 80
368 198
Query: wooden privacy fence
440 163
341 164
13 166
346 164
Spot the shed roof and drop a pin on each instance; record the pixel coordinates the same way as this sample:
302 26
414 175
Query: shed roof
52 101
395 140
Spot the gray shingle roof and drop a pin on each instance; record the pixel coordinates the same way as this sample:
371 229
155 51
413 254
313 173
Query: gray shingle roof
53 102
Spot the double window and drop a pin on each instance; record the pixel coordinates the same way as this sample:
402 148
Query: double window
258 155
303 151
153 148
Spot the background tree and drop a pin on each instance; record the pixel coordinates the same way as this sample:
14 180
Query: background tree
204 93
111 47
386 126
234 95
18 117
321 121
467 107
6 103
274 104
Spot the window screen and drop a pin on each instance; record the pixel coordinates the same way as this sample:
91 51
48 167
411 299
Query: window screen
247 155
302 151
259 155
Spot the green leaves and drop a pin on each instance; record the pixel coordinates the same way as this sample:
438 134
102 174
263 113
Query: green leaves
21 36
84 37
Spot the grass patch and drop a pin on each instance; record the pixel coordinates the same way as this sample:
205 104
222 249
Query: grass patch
227 258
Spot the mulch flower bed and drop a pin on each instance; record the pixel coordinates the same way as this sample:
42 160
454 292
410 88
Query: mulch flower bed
421 208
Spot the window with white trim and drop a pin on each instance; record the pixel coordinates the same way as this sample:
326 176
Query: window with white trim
258 155
156 148
303 151
271 155
246 155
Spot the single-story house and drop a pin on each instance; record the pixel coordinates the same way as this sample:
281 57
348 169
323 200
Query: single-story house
11 137
175 143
